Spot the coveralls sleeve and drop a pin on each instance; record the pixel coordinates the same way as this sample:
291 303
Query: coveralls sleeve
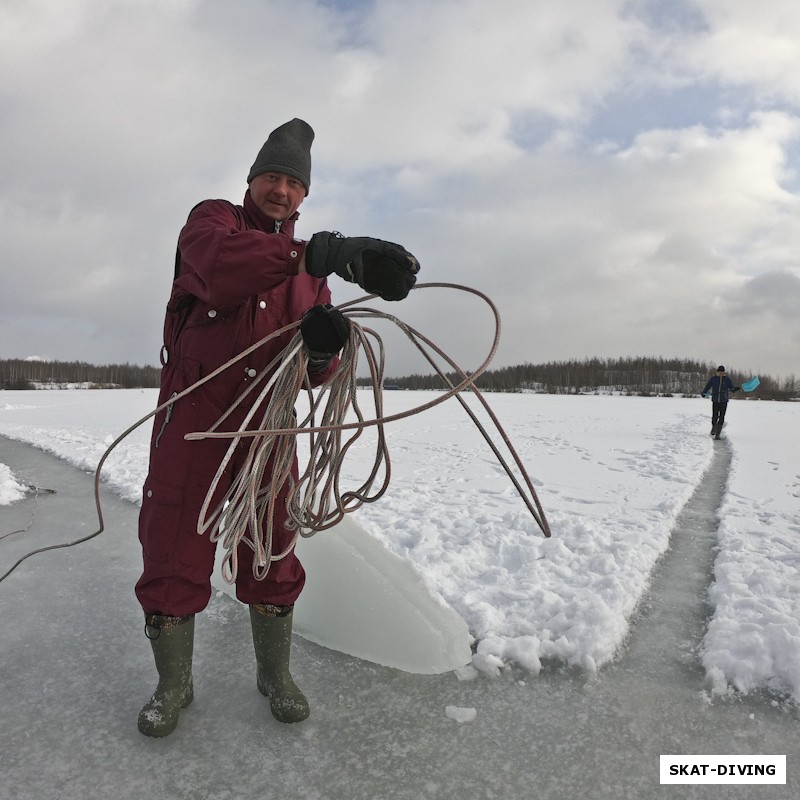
224 262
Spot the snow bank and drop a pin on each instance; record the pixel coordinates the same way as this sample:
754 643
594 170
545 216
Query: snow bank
753 639
10 489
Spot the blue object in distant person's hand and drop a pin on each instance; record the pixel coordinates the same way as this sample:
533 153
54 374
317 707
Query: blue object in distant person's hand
748 386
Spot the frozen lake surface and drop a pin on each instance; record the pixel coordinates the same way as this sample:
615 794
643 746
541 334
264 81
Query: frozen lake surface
76 667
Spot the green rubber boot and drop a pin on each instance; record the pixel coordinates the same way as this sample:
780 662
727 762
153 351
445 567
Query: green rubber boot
272 640
172 639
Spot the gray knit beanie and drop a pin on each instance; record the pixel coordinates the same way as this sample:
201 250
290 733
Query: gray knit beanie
287 150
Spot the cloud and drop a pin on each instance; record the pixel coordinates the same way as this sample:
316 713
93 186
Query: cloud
617 177
750 45
777 293
598 253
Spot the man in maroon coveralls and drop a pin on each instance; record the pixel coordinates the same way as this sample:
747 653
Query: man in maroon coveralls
240 276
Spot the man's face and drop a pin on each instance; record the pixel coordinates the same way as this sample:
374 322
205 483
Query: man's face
278 195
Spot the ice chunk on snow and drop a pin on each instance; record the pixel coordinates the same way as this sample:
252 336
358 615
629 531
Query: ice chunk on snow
466 673
461 714
363 600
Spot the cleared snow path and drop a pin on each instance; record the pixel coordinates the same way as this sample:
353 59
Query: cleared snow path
663 650
75 668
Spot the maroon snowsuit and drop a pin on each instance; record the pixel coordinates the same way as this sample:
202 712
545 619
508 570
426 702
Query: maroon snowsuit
237 282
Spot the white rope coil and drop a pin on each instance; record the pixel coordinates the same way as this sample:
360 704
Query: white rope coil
315 501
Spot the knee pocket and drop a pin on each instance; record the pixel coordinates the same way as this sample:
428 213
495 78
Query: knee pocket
168 531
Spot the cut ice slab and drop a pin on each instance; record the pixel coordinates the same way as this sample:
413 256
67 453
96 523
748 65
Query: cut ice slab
363 600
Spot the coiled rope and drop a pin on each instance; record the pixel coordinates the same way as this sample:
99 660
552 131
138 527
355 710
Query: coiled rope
315 501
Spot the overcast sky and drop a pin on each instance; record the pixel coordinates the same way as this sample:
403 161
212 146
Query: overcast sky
621 178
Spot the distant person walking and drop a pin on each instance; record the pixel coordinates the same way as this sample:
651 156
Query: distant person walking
718 387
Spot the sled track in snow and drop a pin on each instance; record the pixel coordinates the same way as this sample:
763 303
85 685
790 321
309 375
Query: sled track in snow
668 628
652 699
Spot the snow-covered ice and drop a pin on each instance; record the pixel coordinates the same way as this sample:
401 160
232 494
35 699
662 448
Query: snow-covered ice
10 489
612 474
754 637
75 666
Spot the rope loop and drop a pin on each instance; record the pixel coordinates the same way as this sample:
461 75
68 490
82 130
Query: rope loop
315 500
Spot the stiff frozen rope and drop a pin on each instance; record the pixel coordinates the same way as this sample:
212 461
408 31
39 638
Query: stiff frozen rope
315 500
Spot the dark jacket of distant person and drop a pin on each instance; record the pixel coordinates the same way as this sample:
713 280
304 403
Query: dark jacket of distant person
718 386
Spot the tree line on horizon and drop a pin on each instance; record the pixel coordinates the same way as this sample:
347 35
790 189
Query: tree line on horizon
18 373
640 375
637 375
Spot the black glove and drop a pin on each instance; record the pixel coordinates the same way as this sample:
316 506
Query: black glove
325 330
378 267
